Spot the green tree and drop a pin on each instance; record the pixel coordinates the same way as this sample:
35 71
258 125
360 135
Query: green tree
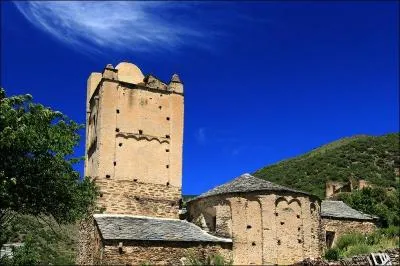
36 163
376 201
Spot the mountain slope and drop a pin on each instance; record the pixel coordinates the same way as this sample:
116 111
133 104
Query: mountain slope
360 157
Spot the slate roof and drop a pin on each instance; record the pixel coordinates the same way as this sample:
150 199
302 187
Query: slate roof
339 209
246 183
130 227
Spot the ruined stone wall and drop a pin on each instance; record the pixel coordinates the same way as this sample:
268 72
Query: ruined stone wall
161 253
343 226
138 198
265 228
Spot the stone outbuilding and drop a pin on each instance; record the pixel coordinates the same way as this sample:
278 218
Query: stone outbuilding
268 223
338 218
139 240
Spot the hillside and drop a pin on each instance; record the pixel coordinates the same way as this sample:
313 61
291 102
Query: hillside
360 157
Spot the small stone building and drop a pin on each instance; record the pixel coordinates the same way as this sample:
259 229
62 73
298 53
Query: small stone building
268 223
339 218
135 240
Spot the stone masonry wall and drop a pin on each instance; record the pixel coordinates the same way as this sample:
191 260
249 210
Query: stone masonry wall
137 198
342 226
162 253
89 243
265 228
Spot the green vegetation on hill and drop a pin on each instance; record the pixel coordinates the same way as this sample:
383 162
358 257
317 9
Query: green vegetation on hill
361 157
376 201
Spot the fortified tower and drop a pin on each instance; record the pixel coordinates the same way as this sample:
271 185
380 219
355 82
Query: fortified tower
134 137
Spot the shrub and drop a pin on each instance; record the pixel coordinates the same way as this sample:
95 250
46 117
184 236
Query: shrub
352 244
350 240
357 250
332 254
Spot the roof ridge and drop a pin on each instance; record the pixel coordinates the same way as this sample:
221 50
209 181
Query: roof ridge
246 183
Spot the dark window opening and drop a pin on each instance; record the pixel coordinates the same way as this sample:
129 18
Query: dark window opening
167 184
167 136
117 111
120 144
115 163
159 107
329 238
298 229
279 242
135 180
214 223
276 214
167 150
117 130
299 240
108 176
253 244
101 195
282 223
167 118
248 226
140 132
298 216
167 166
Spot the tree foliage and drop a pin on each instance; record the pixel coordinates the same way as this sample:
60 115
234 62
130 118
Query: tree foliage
362 157
376 201
36 163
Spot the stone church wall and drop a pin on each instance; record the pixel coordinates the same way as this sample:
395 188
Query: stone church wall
265 228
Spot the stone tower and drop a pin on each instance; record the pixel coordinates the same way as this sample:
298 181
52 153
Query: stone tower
134 138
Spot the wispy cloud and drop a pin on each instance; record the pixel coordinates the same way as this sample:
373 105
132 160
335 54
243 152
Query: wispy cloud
93 26
200 135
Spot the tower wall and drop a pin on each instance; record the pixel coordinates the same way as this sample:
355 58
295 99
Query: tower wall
134 141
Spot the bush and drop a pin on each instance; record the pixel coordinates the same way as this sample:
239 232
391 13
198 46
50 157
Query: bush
332 254
352 244
349 240
357 250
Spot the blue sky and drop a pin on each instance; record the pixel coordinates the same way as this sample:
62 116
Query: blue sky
264 81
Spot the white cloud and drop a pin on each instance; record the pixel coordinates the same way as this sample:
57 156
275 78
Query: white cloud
95 26
201 135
